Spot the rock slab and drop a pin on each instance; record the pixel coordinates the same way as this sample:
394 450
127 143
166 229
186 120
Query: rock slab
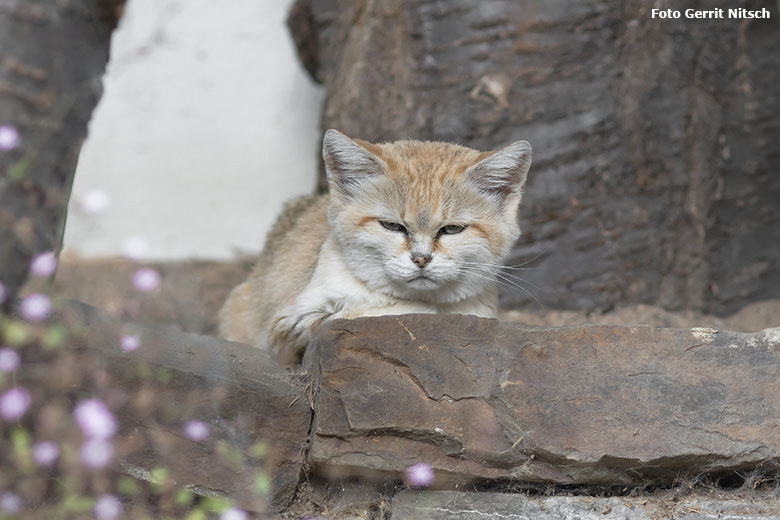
453 505
257 414
484 399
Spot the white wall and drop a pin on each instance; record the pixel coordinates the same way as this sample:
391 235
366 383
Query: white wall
207 124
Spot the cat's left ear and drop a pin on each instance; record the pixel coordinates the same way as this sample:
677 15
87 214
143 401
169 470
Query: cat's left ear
503 173
348 164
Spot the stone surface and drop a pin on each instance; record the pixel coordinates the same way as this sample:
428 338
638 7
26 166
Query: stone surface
239 391
484 399
655 141
453 505
189 297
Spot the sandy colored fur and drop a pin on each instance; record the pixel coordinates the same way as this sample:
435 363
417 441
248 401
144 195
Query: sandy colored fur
282 270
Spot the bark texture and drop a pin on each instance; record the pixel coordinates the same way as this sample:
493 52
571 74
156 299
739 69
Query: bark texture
656 142
482 399
53 57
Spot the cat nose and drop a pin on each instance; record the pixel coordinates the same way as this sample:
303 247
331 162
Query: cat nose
421 259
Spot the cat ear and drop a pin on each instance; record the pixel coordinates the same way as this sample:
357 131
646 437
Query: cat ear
503 172
347 163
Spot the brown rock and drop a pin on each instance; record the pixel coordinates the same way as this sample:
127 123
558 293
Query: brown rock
243 395
481 399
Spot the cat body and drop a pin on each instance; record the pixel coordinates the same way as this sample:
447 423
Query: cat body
407 227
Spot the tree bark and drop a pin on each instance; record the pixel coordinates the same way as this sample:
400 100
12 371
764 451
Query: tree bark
53 57
656 142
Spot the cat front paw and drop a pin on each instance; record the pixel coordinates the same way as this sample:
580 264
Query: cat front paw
292 331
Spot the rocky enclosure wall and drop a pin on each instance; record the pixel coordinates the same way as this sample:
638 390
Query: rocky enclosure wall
480 401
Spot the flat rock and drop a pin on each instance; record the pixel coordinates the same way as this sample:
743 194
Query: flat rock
484 399
453 505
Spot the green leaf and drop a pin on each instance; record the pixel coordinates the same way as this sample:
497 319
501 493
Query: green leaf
78 504
216 504
128 486
164 375
18 170
184 497
15 333
54 337
21 443
259 450
262 484
196 514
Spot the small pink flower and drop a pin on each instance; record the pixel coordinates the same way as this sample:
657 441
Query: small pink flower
94 202
10 503
96 453
129 343
419 475
9 138
135 247
44 264
198 431
233 513
95 419
35 307
107 507
146 279
14 403
45 453
9 359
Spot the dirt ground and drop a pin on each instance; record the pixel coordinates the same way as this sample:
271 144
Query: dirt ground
191 293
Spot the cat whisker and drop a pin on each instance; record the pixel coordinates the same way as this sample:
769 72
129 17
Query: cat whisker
499 266
502 282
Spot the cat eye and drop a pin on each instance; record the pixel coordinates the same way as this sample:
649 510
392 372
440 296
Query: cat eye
393 226
451 229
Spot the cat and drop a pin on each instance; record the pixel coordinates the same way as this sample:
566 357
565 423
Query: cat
407 227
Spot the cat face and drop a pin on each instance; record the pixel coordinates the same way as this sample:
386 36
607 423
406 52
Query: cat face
424 221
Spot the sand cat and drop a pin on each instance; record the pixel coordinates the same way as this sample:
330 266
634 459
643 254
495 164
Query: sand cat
407 227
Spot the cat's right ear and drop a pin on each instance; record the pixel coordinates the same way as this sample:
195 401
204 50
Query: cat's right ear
348 164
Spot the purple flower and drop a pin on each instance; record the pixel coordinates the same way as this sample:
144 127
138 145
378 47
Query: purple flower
9 138
2 292
135 248
233 513
129 343
10 503
419 475
96 453
14 403
9 359
146 279
35 307
44 264
95 419
45 453
198 431
94 202
107 507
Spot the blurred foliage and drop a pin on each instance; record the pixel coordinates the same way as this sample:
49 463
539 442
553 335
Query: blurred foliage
59 370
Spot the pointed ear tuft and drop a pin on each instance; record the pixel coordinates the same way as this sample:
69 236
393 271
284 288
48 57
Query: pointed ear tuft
503 172
348 164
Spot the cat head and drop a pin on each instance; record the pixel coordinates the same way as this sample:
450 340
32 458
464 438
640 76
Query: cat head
425 221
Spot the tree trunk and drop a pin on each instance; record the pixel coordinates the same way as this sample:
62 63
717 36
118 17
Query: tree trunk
54 54
656 141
